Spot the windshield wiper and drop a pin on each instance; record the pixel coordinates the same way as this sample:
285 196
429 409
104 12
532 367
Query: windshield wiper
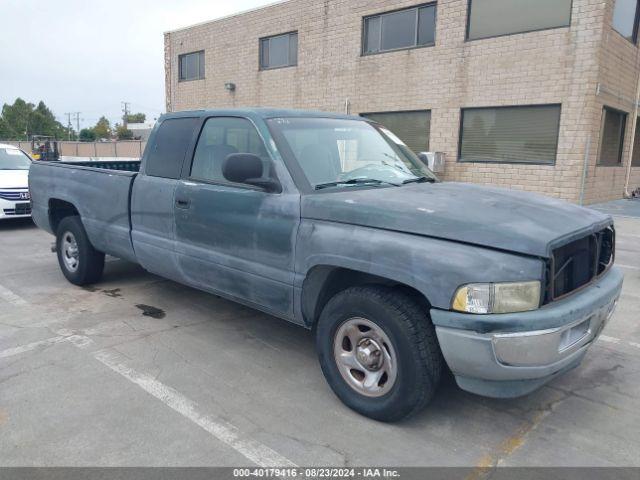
353 181
420 180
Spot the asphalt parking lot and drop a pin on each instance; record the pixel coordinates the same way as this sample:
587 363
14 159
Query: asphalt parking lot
141 371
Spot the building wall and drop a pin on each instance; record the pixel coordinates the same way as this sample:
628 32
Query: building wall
563 65
121 148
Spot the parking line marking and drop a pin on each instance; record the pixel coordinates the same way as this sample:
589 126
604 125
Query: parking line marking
31 346
608 339
617 341
227 433
630 267
10 297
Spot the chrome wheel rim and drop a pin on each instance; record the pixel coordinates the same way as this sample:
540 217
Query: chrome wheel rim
365 357
70 252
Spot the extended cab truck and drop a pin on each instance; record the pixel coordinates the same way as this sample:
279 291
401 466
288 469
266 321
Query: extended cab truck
331 222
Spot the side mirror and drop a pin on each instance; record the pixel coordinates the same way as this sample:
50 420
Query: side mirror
249 169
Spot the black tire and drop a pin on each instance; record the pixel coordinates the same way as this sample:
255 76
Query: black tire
407 326
90 262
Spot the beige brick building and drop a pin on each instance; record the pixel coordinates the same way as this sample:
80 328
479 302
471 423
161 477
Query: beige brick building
565 58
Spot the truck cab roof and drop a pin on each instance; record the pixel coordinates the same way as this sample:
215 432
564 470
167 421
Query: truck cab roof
263 113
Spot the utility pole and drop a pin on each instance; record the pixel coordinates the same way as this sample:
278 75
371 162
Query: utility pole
125 117
77 115
68 114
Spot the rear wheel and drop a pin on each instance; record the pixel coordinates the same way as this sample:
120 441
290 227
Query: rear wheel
80 263
378 352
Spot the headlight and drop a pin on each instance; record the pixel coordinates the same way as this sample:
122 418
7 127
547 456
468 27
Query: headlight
497 297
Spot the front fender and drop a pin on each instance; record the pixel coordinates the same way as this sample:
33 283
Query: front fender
434 267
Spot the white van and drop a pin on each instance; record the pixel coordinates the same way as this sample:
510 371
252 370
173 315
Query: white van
14 183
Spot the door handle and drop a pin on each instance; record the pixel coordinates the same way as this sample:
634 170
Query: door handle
182 203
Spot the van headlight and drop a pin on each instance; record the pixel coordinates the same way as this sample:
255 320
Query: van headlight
497 297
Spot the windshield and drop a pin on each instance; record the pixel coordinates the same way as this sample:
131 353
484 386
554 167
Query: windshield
348 153
13 159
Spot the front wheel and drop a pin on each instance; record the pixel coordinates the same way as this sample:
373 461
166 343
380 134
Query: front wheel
80 263
379 352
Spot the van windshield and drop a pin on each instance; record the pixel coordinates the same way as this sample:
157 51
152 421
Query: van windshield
341 153
13 159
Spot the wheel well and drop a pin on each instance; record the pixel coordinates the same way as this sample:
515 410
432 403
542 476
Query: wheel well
324 282
59 209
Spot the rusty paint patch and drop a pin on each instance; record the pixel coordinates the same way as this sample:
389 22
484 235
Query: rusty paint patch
153 312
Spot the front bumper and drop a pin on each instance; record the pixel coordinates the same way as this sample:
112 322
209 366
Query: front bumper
14 209
510 355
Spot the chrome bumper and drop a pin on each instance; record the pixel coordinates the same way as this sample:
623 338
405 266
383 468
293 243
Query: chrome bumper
507 359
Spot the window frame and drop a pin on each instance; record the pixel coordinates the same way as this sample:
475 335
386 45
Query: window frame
468 26
201 55
495 162
188 165
363 48
623 136
636 24
270 37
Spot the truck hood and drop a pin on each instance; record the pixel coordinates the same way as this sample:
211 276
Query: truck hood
497 218
14 179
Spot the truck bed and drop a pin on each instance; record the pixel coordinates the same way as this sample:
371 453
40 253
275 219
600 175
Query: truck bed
121 165
99 190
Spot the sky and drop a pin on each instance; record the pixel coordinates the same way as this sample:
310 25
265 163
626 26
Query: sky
89 56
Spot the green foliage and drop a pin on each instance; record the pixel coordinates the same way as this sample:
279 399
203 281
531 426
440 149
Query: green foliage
123 133
136 118
22 120
87 135
102 129
6 132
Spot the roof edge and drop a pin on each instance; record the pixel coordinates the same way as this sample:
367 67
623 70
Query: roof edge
226 17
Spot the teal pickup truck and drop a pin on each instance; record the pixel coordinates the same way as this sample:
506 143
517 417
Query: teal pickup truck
331 222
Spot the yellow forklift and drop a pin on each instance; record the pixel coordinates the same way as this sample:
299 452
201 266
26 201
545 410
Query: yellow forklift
44 148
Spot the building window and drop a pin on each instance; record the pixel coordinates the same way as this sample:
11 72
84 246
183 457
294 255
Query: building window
409 28
191 66
279 51
625 19
635 160
493 18
411 127
510 134
614 123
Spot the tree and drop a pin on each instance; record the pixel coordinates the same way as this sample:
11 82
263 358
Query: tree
123 133
102 128
6 132
87 135
22 120
136 118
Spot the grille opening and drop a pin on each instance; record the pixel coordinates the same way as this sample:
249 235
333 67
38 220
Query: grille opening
578 263
607 247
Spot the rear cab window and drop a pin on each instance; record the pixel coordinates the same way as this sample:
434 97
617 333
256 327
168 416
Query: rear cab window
169 148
